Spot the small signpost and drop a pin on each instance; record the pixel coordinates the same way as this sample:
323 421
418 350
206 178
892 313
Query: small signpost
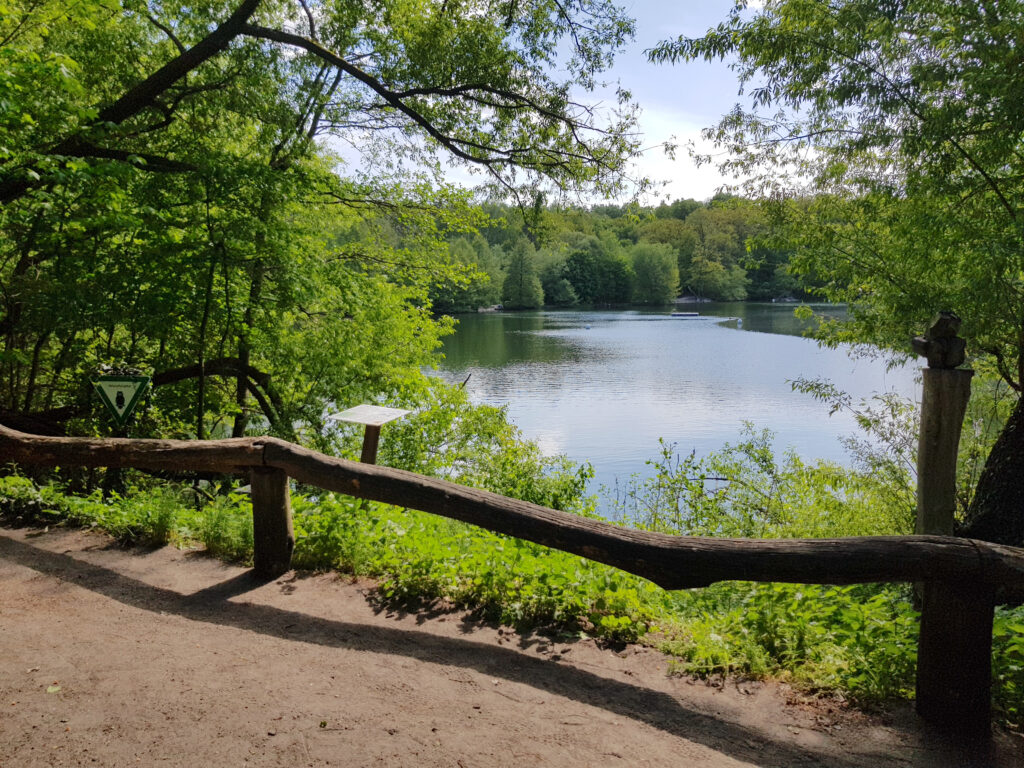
121 395
373 417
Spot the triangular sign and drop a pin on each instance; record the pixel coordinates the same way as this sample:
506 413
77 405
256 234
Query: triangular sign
121 394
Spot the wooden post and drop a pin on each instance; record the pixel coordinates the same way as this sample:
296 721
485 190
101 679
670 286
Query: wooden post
954 652
273 536
371 438
954 658
113 477
943 403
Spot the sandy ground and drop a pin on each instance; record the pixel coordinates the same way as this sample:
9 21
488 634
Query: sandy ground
127 657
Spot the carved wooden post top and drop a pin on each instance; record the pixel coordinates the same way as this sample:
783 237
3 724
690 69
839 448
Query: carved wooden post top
940 343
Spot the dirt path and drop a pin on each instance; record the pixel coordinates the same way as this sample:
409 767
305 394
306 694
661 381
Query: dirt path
117 657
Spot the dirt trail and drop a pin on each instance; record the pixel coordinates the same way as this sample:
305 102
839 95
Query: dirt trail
118 657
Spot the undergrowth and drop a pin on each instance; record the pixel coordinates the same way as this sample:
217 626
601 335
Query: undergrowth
860 640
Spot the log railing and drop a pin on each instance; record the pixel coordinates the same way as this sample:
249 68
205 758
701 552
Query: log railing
954 665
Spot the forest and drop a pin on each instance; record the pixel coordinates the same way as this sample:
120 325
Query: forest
606 255
247 201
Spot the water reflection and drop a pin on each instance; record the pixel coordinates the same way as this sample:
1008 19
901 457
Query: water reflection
604 386
494 340
770 318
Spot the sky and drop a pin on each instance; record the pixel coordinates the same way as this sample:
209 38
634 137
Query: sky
676 100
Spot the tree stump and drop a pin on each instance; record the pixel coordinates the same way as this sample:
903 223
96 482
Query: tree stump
943 403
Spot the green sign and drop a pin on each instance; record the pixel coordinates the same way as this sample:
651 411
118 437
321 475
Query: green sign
121 394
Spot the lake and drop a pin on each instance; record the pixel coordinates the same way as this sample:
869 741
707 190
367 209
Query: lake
604 386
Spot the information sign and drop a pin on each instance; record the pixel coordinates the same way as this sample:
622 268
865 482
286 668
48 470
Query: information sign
121 394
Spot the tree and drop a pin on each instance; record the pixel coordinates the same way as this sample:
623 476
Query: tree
522 288
669 231
475 86
598 272
891 152
709 278
478 286
712 258
170 163
677 209
656 274
558 291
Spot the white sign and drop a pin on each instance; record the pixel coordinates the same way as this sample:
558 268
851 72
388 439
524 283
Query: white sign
371 415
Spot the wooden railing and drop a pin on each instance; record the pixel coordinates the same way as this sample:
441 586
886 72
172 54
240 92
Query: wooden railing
964 575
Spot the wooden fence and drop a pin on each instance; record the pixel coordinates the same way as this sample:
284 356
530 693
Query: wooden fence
964 575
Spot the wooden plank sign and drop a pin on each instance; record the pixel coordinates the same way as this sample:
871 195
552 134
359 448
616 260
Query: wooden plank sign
374 417
371 415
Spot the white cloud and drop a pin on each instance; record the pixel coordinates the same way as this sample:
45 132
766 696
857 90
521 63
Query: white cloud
680 177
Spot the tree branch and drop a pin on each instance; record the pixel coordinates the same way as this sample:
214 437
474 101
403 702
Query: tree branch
258 383
144 94
390 97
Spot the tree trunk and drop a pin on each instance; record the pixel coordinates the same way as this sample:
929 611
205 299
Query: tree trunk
241 391
33 372
241 382
997 510
201 395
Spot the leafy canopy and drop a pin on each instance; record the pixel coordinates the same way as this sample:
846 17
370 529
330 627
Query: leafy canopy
486 84
220 191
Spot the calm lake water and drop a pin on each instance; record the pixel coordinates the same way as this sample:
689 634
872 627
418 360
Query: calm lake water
603 387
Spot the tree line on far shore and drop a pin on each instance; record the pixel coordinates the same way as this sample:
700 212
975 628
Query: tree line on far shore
612 255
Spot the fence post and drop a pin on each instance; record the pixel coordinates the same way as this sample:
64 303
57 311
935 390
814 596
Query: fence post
954 658
954 652
943 403
273 536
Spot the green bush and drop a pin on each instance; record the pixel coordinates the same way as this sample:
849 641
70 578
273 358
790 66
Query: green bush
420 557
224 525
1008 664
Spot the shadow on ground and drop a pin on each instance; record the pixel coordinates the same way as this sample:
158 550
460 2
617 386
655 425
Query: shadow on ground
654 708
